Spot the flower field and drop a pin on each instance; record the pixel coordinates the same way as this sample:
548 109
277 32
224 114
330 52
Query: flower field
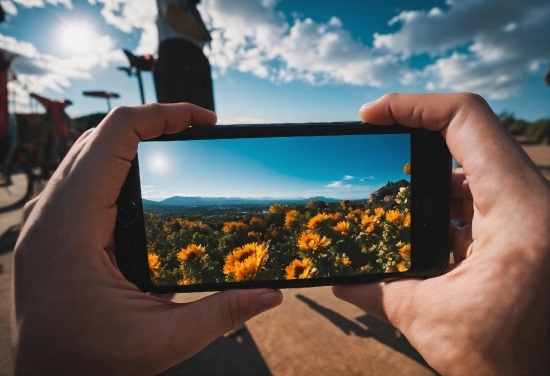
283 242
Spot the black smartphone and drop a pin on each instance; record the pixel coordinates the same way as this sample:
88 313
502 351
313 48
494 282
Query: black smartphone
284 205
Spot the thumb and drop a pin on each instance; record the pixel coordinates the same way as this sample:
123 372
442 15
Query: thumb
205 320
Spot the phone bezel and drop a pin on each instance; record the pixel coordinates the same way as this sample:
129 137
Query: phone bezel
430 191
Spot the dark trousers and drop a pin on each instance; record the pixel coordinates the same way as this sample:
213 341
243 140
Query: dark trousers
182 74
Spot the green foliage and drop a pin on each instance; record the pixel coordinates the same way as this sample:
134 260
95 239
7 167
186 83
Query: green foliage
536 132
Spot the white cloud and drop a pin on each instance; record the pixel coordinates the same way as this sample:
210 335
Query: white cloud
131 15
37 72
348 177
504 42
10 7
338 184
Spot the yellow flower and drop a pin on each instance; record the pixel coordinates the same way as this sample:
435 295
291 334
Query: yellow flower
342 227
256 221
299 269
290 217
317 220
395 216
405 251
407 220
335 216
312 242
379 212
402 267
345 261
191 253
233 226
368 222
255 235
154 262
276 208
186 281
245 262
407 168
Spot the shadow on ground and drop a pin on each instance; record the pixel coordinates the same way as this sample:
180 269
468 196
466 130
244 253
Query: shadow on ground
382 332
234 355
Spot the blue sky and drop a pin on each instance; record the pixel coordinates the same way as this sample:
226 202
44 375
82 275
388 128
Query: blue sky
342 167
292 61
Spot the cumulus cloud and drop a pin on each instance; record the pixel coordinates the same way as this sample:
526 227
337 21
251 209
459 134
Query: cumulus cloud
10 7
503 43
131 15
37 72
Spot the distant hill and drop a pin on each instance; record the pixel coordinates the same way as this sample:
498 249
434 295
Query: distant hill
202 201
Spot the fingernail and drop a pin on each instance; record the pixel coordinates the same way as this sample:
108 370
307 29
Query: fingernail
270 300
367 104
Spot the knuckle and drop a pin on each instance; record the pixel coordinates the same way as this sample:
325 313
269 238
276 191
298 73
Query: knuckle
235 311
29 206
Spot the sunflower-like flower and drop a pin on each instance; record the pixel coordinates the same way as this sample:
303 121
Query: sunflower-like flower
300 269
345 261
317 220
407 220
191 253
405 251
245 262
335 216
255 235
402 267
233 226
154 263
276 208
368 222
258 222
186 281
379 212
290 216
395 216
312 241
342 227
407 168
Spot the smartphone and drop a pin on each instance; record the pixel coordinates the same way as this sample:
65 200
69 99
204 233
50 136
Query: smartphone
284 205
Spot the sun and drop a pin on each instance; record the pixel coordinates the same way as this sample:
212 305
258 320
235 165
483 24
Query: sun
159 163
77 37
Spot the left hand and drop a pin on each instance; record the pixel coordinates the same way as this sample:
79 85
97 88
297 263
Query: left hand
74 312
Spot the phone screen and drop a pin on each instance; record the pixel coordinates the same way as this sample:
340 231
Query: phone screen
276 208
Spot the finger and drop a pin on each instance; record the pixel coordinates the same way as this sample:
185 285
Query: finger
204 320
460 187
461 242
494 163
462 209
383 300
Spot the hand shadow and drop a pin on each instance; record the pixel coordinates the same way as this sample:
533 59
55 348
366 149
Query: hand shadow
382 332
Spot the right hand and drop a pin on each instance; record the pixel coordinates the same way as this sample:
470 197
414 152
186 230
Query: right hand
489 312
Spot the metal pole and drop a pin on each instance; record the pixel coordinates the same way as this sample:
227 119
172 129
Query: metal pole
138 74
108 104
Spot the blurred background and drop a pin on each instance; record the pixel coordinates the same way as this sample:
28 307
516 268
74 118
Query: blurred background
65 63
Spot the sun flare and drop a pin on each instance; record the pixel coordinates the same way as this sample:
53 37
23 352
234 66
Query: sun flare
159 163
77 37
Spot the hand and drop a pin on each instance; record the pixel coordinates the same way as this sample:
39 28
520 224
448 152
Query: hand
489 312
74 312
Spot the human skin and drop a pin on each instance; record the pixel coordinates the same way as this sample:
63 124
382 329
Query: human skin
489 312
73 312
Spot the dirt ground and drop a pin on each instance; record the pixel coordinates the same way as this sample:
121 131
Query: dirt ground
312 333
